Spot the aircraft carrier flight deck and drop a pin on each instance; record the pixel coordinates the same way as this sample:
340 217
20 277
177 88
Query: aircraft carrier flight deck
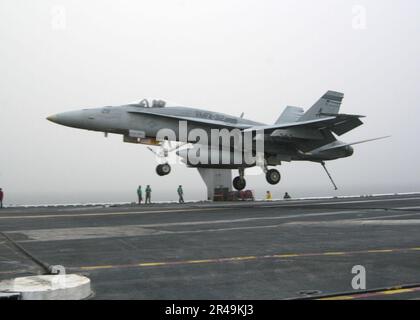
242 250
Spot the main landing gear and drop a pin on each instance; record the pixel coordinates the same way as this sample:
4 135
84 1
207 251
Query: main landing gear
239 183
273 177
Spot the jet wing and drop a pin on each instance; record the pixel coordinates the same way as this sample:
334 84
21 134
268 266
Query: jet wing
339 124
200 121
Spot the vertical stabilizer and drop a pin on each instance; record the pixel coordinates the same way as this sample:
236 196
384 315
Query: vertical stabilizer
328 105
290 114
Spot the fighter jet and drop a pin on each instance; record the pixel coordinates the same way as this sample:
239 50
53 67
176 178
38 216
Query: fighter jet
295 136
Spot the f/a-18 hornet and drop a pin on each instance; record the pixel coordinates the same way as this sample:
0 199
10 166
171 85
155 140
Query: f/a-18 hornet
295 136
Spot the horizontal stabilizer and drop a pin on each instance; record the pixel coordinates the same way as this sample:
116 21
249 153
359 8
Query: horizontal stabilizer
339 123
346 125
337 144
324 114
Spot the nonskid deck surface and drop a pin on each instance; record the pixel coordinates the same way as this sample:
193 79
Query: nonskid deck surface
245 250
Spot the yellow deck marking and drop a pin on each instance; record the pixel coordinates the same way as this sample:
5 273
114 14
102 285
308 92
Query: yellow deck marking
334 253
98 267
379 251
372 294
239 258
389 292
200 261
153 264
338 298
285 255
245 258
66 215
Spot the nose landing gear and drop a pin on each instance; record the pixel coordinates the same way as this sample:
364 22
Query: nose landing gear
165 148
163 169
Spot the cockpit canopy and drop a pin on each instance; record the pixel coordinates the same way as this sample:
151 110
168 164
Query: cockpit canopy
154 104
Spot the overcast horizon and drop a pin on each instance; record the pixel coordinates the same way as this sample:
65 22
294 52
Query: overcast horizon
238 56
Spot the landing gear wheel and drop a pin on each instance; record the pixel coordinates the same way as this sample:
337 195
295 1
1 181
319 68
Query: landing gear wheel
163 169
166 169
273 176
239 183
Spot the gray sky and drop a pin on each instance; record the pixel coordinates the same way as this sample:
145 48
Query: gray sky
230 56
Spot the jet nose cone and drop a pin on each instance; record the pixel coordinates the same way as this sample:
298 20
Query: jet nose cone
74 119
52 118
